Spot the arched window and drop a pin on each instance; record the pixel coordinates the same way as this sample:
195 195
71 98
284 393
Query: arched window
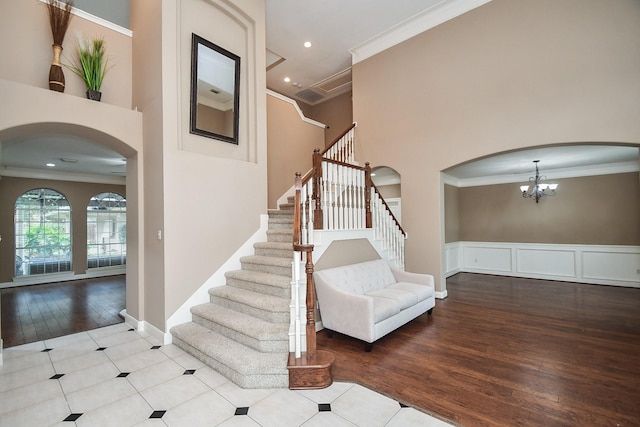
106 230
43 232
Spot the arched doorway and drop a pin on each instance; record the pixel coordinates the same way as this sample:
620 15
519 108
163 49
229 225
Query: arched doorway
112 128
597 204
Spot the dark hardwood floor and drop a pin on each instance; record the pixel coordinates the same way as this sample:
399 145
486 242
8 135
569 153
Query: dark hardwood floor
502 351
39 312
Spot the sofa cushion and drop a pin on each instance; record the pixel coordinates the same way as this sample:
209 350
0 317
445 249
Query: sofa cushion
359 278
383 308
421 291
404 298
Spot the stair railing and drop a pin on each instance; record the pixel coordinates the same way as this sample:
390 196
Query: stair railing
336 194
387 229
298 249
342 149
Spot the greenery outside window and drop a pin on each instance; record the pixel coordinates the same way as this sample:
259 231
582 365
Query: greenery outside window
43 233
106 230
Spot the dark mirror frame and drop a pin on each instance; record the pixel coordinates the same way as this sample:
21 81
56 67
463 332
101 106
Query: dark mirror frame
195 42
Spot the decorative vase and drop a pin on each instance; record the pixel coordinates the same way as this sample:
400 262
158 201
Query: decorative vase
56 76
94 95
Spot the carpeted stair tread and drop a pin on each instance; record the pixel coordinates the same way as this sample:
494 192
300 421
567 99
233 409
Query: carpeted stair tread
274 213
260 278
267 260
274 249
267 264
242 323
246 367
281 220
257 281
267 305
286 206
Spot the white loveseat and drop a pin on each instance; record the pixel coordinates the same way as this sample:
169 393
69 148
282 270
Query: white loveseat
368 300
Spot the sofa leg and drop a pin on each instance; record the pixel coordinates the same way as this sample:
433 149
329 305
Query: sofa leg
368 347
430 311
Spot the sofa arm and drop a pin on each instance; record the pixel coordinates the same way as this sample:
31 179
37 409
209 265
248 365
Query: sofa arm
418 278
347 313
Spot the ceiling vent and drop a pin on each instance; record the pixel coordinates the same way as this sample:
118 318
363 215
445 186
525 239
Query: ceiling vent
309 96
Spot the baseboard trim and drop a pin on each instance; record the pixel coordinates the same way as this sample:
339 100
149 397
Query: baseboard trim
141 325
441 295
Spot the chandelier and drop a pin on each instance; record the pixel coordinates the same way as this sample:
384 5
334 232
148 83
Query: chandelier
536 188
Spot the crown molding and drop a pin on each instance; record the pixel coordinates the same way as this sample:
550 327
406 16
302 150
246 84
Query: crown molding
425 20
297 107
550 174
61 176
97 20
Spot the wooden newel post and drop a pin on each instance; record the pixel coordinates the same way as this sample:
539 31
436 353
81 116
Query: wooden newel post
367 194
311 307
317 189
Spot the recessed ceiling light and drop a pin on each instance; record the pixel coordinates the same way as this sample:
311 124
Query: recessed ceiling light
51 165
287 79
307 44
69 160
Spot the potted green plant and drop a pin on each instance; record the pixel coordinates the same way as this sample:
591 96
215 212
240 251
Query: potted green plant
91 65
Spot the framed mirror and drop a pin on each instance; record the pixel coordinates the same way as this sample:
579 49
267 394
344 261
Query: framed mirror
215 91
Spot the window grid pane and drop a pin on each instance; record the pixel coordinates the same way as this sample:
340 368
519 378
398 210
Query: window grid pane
42 221
106 230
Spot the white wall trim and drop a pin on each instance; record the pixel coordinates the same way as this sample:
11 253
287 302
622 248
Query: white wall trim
575 172
440 295
295 104
425 20
142 326
100 21
39 279
616 265
62 176
201 295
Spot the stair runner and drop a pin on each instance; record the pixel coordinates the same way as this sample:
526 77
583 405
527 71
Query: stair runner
243 332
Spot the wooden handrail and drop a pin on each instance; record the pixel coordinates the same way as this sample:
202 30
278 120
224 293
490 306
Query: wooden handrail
335 141
339 163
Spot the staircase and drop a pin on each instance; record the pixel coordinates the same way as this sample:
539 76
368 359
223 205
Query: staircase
243 332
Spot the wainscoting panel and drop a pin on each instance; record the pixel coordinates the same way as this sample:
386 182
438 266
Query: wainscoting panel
621 266
551 262
488 258
597 264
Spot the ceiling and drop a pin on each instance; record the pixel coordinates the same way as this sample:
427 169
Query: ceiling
334 28
338 31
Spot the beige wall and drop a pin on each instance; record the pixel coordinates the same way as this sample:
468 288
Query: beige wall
27 110
186 187
390 191
336 113
77 193
504 76
451 214
593 210
291 142
196 186
27 52
345 252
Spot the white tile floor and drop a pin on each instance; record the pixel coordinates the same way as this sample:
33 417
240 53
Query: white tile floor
119 377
